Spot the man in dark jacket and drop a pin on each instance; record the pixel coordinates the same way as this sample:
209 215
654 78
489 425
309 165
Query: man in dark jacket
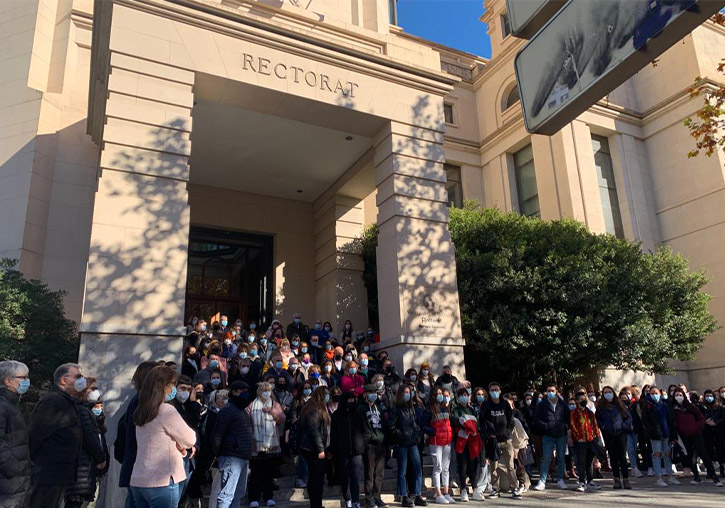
14 453
551 420
232 442
56 438
498 412
374 419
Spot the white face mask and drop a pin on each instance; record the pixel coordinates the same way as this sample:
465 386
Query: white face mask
182 396
679 399
80 384
265 395
93 396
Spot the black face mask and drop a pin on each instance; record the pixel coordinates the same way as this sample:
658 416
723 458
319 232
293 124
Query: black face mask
338 358
281 388
583 403
446 378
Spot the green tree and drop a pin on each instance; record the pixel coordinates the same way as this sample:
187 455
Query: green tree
547 300
33 327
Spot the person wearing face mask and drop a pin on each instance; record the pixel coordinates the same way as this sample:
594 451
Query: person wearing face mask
224 324
437 425
276 369
338 362
376 421
266 348
498 412
584 434
615 420
347 444
216 382
352 382
689 424
185 402
710 409
283 395
447 380
297 375
14 456
328 375
304 394
231 441
160 432
267 419
628 396
467 443
424 382
298 327
58 435
229 348
366 370
391 377
348 333
190 365
658 422
551 420
406 432
314 431
246 372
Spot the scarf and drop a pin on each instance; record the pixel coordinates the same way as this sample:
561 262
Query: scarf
265 429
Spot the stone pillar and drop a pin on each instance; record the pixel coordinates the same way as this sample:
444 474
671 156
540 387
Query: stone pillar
340 293
136 276
417 287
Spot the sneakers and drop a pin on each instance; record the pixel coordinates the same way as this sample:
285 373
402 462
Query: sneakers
695 482
493 495
407 502
717 482
593 486
450 499
270 502
637 473
650 472
419 501
454 484
562 484
380 503
516 494
580 488
523 489
539 486
300 483
661 483
348 503
441 500
464 495
675 481
356 505
478 496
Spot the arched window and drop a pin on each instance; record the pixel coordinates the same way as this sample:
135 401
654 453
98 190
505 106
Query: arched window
512 98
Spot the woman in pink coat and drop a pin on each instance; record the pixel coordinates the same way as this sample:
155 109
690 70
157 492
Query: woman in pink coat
352 382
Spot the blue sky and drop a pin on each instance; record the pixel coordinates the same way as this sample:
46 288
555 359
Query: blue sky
451 22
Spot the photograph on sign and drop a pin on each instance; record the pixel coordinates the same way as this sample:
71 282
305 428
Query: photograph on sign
583 42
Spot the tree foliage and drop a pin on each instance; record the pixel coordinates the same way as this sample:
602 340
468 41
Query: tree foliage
33 327
709 127
550 300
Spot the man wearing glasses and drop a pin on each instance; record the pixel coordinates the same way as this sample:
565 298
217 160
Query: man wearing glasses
14 457
56 438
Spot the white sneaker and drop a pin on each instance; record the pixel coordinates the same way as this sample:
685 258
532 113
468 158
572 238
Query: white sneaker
539 486
254 504
270 502
450 499
661 483
478 496
464 495
562 484
650 472
454 484
441 500
348 504
675 481
637 473
580 488
674 469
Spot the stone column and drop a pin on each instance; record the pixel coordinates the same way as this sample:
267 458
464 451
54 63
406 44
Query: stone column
340 293
417 287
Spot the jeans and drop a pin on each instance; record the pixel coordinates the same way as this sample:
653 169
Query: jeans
374 472
549 444
350 467
616 447
130 503
632 450
316 481
661 451
302 470
505 462
584 459
483 475
157 497
233 484
401 454
441 456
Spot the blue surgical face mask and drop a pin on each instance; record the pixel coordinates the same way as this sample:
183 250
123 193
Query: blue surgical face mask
494 394
318 326
551 395
572 407
447 399
709 399
216 381
253 352
352 371
372 397
439 397
252 326
214 364
307 391
97 411
203 328
463 399
328 329
23 386
480 398
243 354
225 322
278 365
314 375
304 350
469 390
251 338
406 397
263 342
365 362
327 398
168 397
655 397
297 320
609 396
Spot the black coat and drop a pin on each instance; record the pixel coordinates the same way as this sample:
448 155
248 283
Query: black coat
652 423
55 439
406 426
313 432
232 434
92 453
552 422
347 430
14 453
125 446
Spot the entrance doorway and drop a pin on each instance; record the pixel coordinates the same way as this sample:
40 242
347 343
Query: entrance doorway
229 273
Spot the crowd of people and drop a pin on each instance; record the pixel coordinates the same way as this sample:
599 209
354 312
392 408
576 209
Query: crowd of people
243 402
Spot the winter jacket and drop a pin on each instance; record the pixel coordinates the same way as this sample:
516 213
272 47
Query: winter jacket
347 429
657 419
376 419
583 425
688 420
190 411
91 454
406 426
232 433
314 432
55 439
447 382
611 421
551 421
438 426
353 384
14 453
500 415
126 443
